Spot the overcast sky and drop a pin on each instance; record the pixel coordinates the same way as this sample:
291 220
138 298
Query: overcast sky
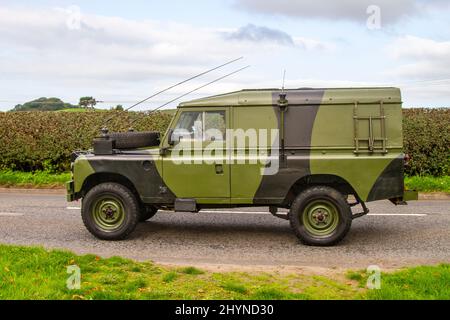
123 52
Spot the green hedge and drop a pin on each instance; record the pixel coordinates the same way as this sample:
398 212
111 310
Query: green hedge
427 141
32 141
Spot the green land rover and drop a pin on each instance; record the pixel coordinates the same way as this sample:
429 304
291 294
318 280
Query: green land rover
316 152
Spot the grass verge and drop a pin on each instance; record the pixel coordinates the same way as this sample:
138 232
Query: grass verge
40 179
419 283
35 273
428 184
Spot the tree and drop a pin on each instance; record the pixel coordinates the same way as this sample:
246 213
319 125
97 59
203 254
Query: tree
87 102
119 107
44 104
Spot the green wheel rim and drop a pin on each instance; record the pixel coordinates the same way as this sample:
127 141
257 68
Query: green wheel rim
108 213
320 218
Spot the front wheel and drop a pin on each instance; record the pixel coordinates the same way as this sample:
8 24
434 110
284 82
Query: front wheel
320 216
110 211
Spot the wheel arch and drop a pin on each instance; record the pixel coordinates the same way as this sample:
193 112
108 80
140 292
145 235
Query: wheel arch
329 180
104 177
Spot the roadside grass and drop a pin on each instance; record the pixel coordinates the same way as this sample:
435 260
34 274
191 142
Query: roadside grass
36 273
191 271
428 184
42 179
419 283
39 179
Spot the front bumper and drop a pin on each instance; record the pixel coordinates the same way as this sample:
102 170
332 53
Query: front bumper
70 187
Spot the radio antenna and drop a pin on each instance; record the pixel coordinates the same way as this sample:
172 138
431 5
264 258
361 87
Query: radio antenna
284 79
192 91
104 130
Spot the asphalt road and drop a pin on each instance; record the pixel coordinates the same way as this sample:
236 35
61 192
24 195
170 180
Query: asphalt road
390 237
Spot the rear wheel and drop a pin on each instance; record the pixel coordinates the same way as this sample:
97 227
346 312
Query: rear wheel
320 216
110 211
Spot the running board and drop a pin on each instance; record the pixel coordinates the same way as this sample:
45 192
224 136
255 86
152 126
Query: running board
186 205
274 212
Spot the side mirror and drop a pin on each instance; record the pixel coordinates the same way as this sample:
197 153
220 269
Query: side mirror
169 138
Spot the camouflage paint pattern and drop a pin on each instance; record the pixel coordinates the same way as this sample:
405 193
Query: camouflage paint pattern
320 133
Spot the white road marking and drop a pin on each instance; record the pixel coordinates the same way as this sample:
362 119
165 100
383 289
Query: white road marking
10 214
398 214
240 212
283 212
73 208
226 212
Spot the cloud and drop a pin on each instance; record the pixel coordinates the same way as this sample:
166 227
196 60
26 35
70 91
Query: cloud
254 33
350 10
422 58
268 37
314 45
123 58
39 42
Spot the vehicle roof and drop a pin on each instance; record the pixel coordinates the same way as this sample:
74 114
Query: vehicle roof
302 96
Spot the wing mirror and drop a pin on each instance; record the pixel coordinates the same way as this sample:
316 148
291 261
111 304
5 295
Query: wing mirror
170 137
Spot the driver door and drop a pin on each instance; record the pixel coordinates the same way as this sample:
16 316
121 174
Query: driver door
195 164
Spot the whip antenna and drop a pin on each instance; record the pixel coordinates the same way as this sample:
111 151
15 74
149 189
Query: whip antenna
192 91
171 87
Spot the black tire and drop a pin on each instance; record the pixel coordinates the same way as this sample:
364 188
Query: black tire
133 140
106 196
316 206
147 212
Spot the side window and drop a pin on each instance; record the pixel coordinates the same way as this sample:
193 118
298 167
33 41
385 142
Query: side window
204 126
189 127
215 126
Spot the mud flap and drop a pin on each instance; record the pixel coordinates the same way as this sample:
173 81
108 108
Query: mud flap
410 196
70 191
407 196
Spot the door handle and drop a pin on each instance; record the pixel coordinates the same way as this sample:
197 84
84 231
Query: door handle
219 169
